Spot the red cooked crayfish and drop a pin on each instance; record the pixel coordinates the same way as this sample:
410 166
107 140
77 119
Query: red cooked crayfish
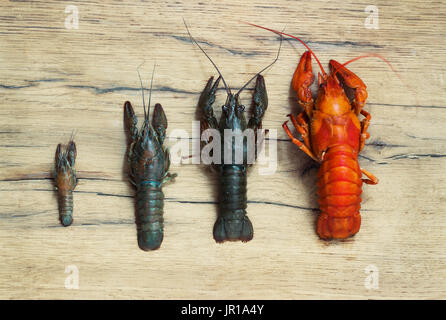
333 136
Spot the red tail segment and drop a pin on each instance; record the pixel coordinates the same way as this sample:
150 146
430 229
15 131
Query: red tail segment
339 190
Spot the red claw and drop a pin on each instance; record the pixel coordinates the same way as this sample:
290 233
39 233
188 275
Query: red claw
303 78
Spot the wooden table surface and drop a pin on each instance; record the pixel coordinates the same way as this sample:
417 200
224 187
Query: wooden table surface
54 80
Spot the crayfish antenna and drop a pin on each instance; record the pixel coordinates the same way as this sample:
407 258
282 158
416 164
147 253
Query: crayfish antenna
73 134
150 92
142 90
228 90
291 36
146 113
258 73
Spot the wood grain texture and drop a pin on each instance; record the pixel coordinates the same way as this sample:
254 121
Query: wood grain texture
54 80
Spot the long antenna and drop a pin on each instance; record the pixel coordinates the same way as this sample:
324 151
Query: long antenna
228 90
367 56
73 133
150 92
142 89
277 57
294 37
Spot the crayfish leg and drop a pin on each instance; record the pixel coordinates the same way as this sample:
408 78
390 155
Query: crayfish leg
302 127
364 126
298 143
371 178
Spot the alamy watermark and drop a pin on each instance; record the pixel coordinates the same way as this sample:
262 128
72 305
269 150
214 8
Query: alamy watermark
233 147
72 280
371 282
72 20
372 20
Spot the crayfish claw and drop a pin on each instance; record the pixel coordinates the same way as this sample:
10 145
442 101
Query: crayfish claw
159 122
207 98
58 152
71 153
303 78
260 97
351 80
260 104
130 121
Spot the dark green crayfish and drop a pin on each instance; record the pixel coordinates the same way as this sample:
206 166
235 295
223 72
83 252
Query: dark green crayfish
233 223
149 163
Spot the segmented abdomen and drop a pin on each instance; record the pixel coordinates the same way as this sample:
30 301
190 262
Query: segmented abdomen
149 216
65 199
339 190
232 223
233 191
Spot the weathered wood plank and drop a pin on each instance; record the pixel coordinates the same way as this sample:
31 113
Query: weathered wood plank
54 80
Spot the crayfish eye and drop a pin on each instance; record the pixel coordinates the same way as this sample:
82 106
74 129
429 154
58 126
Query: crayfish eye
241 108
225 109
